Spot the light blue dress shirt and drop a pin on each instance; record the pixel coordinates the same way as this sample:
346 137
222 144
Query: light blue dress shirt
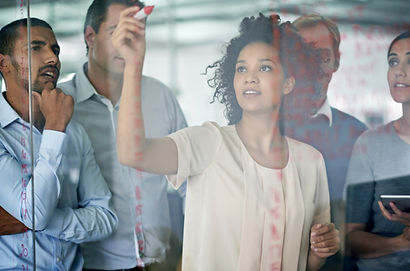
142 201
72 200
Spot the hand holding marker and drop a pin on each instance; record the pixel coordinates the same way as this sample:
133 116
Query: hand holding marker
143 13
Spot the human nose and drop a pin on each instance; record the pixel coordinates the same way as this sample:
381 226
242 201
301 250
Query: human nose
51 57
400 71
251 77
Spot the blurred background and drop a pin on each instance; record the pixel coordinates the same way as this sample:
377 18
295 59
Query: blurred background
185 36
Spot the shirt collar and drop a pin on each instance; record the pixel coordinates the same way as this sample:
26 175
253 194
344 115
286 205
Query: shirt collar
84 85
325 110
7 113
85 90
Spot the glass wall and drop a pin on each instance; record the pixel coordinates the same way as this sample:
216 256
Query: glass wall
183 38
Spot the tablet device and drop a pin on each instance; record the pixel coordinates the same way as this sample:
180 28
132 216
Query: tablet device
402 202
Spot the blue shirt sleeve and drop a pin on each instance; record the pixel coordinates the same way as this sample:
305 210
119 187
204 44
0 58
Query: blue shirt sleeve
94 219
16 199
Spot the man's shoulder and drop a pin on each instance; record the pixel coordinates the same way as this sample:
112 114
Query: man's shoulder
154 86
340 117
68 85
156 94
148 80
75 132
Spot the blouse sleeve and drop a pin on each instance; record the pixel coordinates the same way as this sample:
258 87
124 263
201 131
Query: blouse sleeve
197 147
322 206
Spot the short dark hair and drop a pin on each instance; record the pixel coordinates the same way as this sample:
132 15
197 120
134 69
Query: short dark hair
402 36
10 33
97 12
298 59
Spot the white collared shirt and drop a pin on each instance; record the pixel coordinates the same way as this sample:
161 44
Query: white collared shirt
325 110
140 199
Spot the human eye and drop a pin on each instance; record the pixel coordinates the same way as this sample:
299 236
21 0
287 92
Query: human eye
35 48
56 51
240 69
325 56
393 62
265 68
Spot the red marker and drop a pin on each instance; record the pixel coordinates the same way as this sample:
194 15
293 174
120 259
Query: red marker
143 13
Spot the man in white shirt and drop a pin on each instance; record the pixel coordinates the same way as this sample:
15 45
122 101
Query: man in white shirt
150 215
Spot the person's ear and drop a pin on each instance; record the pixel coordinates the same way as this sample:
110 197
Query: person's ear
337 62
89 36
288 85
5 63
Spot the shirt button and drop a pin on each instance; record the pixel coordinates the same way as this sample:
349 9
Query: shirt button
58 259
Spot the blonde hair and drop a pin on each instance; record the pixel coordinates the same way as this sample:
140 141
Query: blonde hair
310 20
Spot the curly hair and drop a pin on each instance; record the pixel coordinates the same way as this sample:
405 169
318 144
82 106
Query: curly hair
298 59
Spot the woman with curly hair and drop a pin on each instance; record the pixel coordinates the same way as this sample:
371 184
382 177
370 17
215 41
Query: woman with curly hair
256 200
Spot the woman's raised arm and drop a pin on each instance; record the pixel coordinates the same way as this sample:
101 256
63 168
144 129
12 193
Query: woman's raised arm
152 155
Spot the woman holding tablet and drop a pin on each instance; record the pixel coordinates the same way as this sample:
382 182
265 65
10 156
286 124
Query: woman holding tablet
380 164
256 200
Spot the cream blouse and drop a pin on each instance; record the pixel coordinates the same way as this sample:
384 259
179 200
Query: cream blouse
231 204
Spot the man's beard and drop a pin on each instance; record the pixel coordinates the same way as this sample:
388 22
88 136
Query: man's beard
36 86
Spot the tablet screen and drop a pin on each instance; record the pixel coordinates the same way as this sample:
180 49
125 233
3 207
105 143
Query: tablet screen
401 201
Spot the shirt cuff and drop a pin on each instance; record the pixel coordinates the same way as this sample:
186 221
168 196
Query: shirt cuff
52 140
51 148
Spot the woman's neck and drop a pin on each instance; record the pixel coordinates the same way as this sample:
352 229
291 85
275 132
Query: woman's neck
263 140
402 125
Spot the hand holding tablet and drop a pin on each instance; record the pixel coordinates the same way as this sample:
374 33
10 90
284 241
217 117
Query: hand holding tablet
396 208
402 202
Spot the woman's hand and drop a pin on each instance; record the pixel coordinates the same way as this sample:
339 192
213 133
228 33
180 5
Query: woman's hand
406 233
403 240
129 37
324 240
397 215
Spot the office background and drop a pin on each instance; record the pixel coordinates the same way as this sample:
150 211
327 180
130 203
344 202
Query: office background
184 36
